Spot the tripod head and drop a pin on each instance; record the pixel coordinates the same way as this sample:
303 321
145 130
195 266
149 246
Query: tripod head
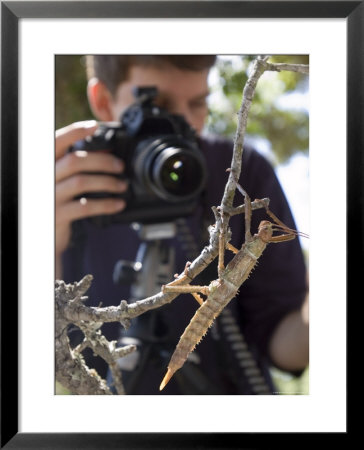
154 262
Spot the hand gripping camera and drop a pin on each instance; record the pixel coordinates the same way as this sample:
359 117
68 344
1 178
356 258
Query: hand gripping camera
164 165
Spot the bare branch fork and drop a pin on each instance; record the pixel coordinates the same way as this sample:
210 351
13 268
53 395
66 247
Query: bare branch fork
72 372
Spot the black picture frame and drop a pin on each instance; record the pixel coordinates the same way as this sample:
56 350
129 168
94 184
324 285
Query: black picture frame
11 13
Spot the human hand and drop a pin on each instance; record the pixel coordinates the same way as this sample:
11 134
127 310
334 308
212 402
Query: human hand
71 181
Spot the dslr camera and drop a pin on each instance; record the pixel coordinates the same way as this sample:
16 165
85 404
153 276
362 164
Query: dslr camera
164 165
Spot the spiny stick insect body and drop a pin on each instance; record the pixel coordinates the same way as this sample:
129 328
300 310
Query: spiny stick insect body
221 291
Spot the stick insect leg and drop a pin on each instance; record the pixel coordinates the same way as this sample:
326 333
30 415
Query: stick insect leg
275 219
248 210
232 248
284 227
248 216
175 286
187 289
180 279
282 238
197 298
221 264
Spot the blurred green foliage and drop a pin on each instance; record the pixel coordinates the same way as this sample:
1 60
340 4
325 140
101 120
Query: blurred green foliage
287 384
285 129
70 90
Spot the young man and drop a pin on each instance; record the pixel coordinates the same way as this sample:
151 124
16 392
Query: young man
267 323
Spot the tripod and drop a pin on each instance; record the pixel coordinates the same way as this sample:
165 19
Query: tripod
153 266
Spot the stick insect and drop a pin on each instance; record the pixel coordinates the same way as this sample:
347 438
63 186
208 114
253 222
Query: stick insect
222 290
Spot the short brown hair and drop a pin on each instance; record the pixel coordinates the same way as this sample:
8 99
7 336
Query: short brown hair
114 69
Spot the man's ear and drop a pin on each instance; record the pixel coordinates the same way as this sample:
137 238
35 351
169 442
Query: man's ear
100 100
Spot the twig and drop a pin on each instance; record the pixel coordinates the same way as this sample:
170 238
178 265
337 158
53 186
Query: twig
278 67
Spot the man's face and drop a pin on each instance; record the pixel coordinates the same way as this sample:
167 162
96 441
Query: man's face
179 91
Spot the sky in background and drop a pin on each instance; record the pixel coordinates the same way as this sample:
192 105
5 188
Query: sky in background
294 178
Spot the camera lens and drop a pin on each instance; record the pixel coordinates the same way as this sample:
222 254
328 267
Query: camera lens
170 168
178 173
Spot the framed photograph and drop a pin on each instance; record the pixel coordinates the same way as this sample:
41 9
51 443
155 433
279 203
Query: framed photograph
32 33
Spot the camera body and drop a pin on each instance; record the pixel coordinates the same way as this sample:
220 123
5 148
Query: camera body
164 166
